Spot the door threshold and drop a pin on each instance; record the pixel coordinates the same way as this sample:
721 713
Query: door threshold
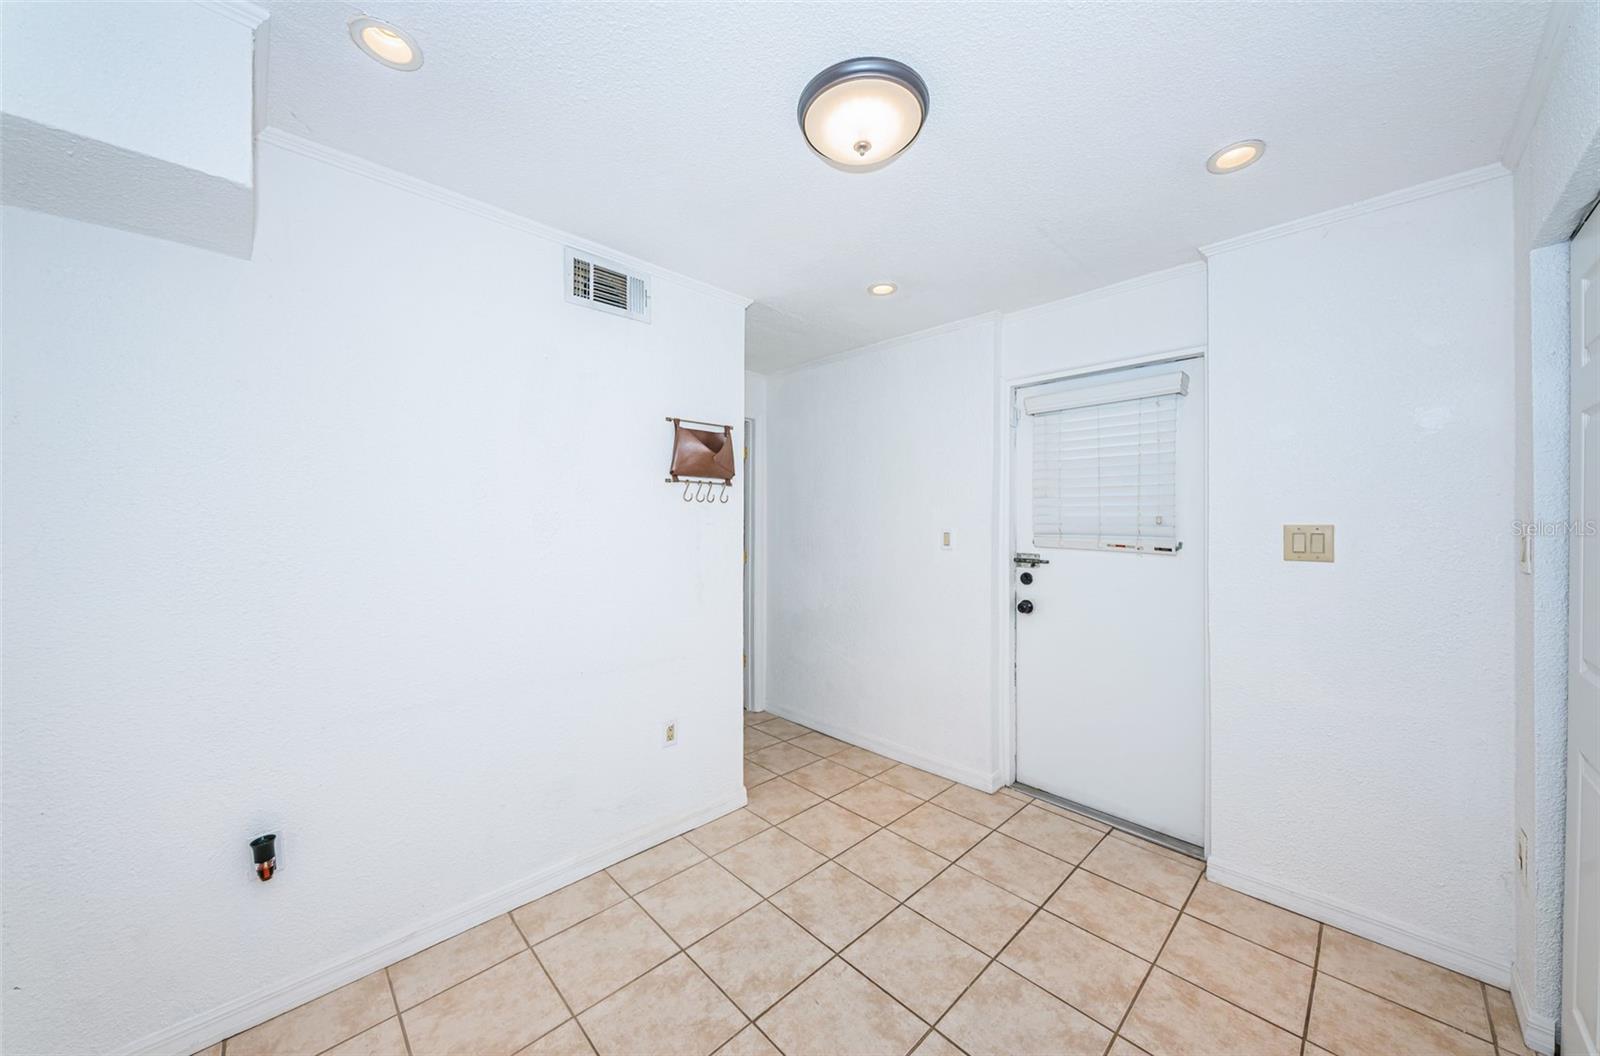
1172 843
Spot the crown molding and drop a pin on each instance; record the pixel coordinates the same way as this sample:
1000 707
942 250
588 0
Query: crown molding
277 137
243 12
1470 178
1556 25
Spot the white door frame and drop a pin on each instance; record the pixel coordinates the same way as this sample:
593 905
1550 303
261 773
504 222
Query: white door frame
1006 646
748 572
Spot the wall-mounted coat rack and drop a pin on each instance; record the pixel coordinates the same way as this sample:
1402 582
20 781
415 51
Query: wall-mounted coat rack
702 460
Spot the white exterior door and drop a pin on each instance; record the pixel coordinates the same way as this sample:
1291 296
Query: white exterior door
1580 977
1110 643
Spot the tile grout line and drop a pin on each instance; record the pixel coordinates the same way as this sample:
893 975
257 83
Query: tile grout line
1123 1022
833 955
1107 833
1025 802
1317 971
1003 946
1402 1005
1494 1034
1396 1001
1228 1000
831 859
838 955
1311 997
684 950
764 900
1246 938
1124 837
572 1016
405 1038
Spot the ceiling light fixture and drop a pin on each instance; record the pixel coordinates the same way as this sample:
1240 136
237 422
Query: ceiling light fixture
882 289
390 45
861 112
1236 156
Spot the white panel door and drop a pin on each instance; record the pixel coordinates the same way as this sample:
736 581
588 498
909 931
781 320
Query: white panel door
1110 656
1580 977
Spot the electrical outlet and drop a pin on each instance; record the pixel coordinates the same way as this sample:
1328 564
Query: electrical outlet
669 736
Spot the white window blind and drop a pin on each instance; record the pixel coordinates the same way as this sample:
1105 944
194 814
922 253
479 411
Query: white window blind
1105 465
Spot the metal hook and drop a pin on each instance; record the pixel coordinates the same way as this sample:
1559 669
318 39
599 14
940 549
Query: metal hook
700 492
686 486
725 492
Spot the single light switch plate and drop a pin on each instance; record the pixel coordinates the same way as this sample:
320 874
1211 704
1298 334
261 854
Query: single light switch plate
1308 542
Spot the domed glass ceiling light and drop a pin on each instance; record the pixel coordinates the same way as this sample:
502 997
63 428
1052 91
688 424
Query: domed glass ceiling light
860 113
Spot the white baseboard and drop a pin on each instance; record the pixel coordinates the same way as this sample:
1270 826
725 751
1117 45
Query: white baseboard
1538 1031
208 1028
988 781
1368 925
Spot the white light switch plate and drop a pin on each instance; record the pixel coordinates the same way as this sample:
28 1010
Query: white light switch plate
1308 542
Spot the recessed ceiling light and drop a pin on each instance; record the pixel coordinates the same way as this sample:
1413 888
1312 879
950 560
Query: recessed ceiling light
1236 156
882 289
861 112
390 45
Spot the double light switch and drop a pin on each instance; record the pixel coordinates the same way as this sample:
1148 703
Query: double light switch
1308 542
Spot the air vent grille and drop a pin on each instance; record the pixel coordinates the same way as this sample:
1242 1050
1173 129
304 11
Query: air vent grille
611 287
607 287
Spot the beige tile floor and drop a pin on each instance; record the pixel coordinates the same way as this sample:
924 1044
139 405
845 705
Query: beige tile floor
861 906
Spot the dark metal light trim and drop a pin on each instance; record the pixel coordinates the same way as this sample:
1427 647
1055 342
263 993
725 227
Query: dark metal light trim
868 66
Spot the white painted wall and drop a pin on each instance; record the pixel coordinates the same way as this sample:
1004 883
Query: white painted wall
1161 312
755 408
878 635
1555 156
364 541
1361 712
167 80
137 114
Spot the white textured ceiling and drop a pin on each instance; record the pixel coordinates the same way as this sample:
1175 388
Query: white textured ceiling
1064 148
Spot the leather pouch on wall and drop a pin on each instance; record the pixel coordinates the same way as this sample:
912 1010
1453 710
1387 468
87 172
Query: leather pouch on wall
701 452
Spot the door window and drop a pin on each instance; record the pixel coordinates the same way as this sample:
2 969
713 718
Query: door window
1105 466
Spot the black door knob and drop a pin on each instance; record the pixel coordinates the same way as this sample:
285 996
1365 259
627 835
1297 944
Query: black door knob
1027 578
1024 606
